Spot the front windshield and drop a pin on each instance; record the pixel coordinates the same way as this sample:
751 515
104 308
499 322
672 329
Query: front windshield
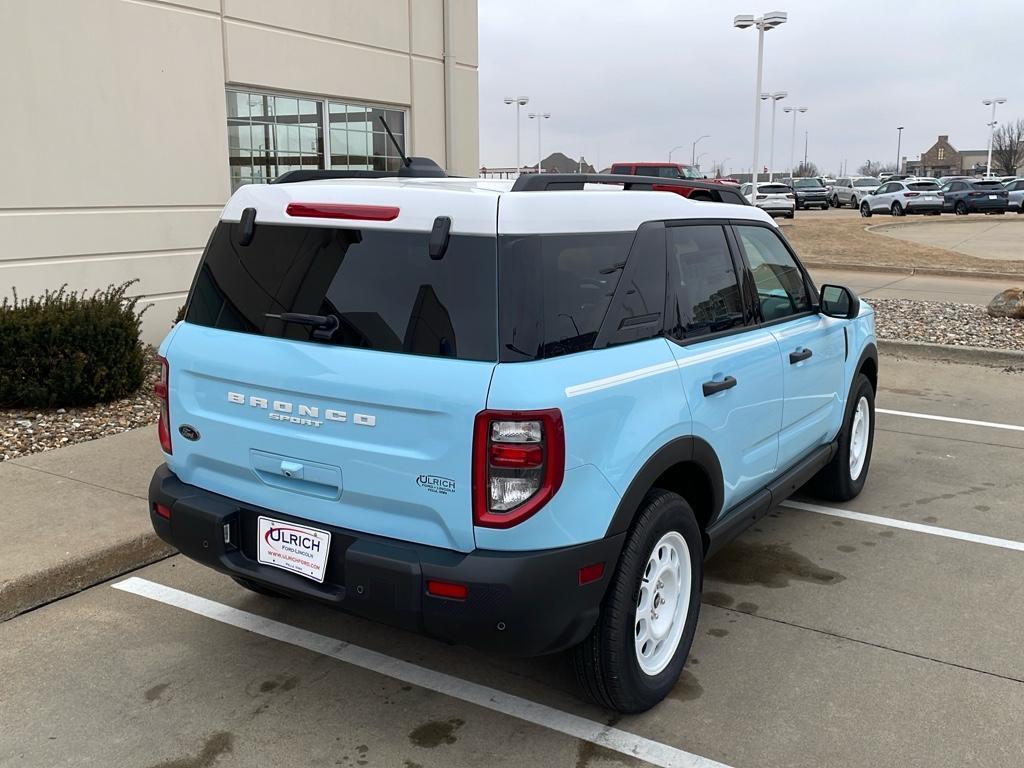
866 183
806 183
689 172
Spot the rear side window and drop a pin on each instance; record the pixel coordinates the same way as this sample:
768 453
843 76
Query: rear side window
555 291
382 286
704 293
622 169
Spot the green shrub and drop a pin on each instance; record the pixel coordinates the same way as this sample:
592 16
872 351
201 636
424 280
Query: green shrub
67 349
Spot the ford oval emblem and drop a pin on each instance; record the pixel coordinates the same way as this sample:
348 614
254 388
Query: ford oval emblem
189 432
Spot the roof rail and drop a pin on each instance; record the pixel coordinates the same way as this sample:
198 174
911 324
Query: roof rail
548 182
417 168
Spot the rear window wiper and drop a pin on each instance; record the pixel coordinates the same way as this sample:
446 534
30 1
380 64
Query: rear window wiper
324 326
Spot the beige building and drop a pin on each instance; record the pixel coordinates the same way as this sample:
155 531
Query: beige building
128 123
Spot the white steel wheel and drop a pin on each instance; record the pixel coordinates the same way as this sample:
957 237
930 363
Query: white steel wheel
662 604
860 431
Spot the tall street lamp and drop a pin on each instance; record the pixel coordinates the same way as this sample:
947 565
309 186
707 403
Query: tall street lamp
991 132
678 146
899 141
770 20
693 148
519 101
776 98
792 140
540 117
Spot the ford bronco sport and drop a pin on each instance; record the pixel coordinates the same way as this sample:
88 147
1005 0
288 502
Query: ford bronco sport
517 416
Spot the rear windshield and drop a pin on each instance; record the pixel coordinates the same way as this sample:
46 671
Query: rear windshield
922 185
988 185
382 286
773 189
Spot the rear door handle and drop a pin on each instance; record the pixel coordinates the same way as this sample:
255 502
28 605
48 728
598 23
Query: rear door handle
799 355
711 387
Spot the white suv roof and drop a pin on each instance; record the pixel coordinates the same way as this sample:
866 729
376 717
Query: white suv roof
476 206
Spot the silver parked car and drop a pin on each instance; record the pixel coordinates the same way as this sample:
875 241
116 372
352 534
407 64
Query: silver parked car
901 198
850 190
1016 190
774 198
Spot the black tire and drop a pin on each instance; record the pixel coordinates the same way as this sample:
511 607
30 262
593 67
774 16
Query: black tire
791 214
897 209
253 586
853 202
605 663
865 210
960 209
834 482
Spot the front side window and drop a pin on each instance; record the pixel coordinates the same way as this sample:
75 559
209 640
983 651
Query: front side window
703 291
269 135
781 290
380 290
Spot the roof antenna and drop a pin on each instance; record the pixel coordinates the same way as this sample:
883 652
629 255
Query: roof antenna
405 160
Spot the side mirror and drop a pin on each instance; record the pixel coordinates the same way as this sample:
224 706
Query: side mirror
839 301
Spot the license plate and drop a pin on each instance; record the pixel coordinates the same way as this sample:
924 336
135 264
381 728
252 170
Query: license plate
929 198
993 197
294 548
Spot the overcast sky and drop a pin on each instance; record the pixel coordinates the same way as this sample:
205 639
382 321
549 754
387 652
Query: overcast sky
630 79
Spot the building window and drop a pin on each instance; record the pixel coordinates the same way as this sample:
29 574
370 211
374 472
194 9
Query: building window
942 153
269 135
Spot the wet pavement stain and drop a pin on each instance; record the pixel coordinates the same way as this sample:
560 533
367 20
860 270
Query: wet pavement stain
587 751
769 565
887 534
846 548
216 744
982 508
869 543
930 519
746 607
410 764
436 732
718 632
279 683
156 691
838 523
687 689
717 598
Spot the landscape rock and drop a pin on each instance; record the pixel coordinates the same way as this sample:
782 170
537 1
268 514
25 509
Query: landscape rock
1009 303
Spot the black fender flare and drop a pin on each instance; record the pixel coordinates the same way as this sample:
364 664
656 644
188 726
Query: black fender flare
870 352
681 449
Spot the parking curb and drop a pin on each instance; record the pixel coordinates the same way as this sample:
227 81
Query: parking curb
998 358
33 590
911 271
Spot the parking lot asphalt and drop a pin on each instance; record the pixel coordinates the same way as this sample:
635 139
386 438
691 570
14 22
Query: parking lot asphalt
987 237
824 641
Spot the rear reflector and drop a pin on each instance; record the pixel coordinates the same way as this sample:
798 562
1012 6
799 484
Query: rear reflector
343 211
589 573
164 512
447 589
525 456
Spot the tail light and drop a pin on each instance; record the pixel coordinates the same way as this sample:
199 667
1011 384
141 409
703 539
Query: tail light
163 424
518 463
911 194
975 194
761 197
790 197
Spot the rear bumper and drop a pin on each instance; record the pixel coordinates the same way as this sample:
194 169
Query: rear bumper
521 603
924 207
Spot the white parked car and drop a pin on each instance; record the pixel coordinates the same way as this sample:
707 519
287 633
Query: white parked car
774 198
1016 190
901 198
850 190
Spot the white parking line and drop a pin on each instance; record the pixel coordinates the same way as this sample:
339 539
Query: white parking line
951 419
934 530
653 752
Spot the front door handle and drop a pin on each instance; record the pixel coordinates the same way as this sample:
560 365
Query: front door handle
799 355
711 387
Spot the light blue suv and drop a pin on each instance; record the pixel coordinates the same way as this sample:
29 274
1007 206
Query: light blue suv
517 416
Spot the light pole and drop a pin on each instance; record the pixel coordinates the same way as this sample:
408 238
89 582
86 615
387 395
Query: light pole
770 20
776 98
678 146
899 143
519 101
693 148
696 162
991 132
540 117
792 141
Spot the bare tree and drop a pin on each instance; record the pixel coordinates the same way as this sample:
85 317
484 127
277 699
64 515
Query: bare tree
806 169
871 168
1008 147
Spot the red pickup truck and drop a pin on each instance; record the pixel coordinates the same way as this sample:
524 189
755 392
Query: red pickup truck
669 171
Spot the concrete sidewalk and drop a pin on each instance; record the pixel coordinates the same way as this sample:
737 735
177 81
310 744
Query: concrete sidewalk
75 516
894 285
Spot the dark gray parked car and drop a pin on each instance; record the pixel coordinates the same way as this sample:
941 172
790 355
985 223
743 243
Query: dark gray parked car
964 196
810 193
